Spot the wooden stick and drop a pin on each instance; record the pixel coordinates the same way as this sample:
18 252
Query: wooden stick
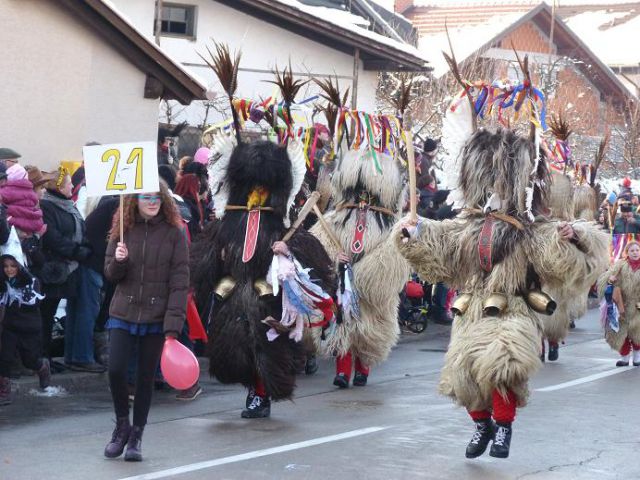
304 213
121 218
327 229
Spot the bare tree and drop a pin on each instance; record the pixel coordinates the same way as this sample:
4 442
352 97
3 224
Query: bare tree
171 110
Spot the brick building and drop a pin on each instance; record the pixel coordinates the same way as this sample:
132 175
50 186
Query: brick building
576 80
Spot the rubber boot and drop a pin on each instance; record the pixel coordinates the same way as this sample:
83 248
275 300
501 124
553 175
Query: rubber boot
5 391
44 374
119 438
134 445
501 440
481 438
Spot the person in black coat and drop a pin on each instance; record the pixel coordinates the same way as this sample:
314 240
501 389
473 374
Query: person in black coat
21 326
65 275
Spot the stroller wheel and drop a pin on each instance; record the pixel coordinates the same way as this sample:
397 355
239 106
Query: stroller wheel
417 323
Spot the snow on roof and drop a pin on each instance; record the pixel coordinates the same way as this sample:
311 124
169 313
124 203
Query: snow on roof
465 39
490 3
615 45
195 77
353 23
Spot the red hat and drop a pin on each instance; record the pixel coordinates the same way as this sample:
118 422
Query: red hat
626 182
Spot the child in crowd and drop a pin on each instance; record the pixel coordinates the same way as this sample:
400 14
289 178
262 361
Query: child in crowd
21 326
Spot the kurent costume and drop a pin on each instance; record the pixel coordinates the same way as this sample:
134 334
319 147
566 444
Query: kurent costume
499 253
254 186
572 197
622 328
367 199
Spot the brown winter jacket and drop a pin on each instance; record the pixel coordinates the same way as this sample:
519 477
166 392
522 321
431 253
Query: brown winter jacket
152 283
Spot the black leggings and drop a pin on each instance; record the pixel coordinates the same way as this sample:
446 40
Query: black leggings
149 351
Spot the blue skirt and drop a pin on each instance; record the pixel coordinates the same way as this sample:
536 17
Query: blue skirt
139 329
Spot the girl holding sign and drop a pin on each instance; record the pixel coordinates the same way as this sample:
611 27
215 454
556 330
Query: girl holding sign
149 268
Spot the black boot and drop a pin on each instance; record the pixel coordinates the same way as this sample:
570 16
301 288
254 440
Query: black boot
341 380
359 379
134 445
501 440
260 407
311 366
250 397
44 374
553 352
481 438
119 438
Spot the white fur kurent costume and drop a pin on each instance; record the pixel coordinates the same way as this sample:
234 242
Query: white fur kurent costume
498 253
627 338
379 270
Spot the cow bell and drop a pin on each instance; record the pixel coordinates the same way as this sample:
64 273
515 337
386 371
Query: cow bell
262 287
495 304
224 288
540 302
461 304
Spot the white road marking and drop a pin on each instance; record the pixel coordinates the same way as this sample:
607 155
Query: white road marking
587 379
255 454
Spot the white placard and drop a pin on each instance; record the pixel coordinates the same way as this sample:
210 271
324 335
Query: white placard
121 168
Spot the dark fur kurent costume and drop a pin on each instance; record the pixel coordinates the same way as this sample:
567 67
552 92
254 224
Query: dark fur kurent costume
499 253
258 178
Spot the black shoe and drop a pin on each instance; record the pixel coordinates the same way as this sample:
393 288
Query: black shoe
481 438
260 407
359 379
622 363
134 445
572 325
501 440
553 353
311 366
341 380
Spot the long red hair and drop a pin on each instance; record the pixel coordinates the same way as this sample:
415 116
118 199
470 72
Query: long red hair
188 187
130 204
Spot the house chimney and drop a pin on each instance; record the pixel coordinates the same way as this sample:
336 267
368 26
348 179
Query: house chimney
402 6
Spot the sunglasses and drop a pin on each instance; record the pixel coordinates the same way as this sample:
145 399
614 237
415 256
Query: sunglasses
149 198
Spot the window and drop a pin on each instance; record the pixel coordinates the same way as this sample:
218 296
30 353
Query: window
178 20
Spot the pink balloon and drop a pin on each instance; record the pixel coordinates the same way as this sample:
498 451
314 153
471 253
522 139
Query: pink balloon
179 365
202 155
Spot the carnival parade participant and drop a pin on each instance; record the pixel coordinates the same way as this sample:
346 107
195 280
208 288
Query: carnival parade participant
622 332
366 202
498 253
149 268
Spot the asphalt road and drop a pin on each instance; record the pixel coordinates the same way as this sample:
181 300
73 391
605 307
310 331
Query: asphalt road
582 423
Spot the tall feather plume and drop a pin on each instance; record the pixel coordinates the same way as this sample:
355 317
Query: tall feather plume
335 100
289 87
452 62
600 154
560 127
225 66
403 95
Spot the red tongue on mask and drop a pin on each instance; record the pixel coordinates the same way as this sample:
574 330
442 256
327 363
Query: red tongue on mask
251 235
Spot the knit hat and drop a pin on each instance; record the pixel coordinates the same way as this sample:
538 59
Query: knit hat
36 177
8 154
430 145
16 172
626 182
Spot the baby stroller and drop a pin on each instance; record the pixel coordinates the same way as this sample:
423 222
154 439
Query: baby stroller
412 312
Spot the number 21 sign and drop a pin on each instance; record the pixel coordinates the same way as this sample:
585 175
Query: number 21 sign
121 168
